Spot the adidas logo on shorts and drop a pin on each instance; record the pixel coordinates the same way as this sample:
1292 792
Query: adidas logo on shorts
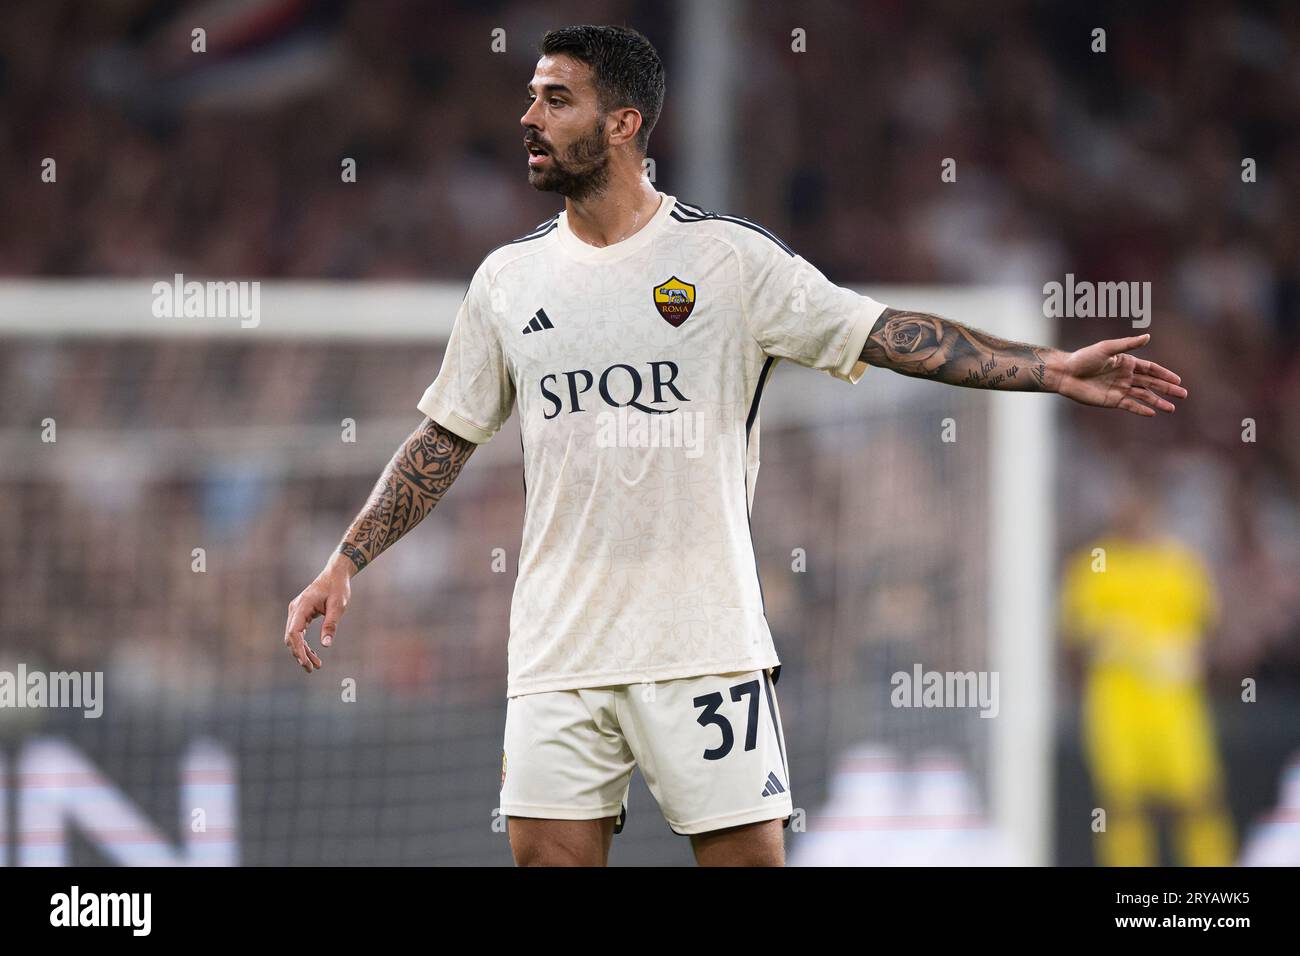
773 786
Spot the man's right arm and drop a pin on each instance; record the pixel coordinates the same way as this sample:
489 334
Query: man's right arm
413 482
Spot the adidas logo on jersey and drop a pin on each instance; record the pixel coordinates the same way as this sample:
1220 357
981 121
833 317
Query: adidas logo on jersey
538 322
773 786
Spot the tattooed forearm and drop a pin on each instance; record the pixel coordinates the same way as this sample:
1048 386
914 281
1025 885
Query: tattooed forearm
414 481
926 346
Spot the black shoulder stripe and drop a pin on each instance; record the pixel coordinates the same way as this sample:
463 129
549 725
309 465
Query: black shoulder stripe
690 207
540 230
690 213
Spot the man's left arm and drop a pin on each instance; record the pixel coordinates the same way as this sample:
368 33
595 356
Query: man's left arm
1102 374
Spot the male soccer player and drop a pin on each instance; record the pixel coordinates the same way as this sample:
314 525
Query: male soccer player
635 332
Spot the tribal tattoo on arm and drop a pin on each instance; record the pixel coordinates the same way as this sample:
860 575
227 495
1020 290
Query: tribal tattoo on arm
413 482
926 346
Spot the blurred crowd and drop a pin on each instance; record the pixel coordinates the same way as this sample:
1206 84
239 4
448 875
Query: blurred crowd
1122 165
1127 165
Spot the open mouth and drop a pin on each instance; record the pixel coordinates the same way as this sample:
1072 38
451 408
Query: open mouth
536 153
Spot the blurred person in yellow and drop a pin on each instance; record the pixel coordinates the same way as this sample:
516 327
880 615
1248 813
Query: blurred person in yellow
1140 606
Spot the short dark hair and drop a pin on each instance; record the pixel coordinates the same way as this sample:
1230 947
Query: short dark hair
624 64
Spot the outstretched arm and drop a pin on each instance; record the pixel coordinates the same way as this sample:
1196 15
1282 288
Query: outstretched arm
1102 374
413 482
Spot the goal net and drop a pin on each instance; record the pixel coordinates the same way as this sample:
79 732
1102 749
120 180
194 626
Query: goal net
169 484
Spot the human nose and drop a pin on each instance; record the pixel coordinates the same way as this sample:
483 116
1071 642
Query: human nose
531 117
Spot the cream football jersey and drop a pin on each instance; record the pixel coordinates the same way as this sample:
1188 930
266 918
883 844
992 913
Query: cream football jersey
638 369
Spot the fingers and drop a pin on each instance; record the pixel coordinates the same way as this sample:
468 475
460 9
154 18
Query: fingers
1116 346
1136 407
295 634
1151 398
295 626
333 611
305 656
1160 386
1156 371
1144 402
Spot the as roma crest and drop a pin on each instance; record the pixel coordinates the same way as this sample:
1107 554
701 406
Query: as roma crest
675 299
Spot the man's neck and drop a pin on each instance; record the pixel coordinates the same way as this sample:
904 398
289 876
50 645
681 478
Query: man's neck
616 214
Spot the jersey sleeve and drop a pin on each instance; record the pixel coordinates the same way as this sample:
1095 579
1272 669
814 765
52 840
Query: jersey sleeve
795 312
473 393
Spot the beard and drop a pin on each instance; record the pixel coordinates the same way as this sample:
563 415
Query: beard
582 172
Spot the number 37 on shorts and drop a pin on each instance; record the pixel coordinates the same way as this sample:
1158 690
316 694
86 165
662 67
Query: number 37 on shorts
711 750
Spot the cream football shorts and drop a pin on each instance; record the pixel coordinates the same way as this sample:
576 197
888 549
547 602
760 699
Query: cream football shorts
710 748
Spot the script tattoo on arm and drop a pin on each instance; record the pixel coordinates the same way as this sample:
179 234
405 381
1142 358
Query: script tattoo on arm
926 346
413 482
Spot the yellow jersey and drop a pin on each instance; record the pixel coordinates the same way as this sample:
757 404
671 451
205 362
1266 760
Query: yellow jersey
1141 608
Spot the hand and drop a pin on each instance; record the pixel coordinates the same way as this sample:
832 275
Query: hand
327 595
1104 374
